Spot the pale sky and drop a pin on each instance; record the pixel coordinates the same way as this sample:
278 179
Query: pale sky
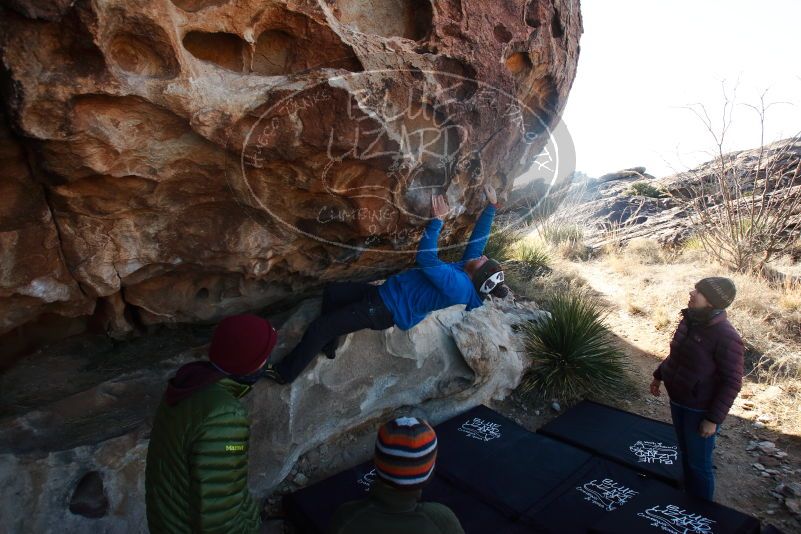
642 61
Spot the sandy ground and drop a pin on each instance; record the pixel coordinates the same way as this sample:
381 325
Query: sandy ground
739 484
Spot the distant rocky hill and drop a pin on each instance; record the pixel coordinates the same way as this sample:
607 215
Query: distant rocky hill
631 204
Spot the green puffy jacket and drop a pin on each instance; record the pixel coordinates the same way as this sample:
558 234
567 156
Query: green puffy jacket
197 462
391 511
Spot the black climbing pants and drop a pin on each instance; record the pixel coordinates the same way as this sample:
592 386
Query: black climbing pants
347 307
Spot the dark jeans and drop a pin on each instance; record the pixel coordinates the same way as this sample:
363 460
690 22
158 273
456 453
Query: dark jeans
347 307
696 452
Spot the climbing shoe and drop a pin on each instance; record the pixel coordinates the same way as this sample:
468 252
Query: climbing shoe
330 348
272 373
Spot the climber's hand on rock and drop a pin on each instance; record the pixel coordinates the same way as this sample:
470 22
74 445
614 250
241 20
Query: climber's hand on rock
439 206
492 198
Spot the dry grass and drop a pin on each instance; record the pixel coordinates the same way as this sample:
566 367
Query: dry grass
654 286
644 251
790 298
563 239
662 320
534 268
539 288
768 316
633 308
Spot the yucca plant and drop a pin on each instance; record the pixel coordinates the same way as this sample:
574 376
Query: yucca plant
572 354
693 242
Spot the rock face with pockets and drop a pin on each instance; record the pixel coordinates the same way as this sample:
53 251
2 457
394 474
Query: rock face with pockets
182 160
93 424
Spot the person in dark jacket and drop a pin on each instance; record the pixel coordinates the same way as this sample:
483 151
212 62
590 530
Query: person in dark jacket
404 299
197 459
405 454
703 375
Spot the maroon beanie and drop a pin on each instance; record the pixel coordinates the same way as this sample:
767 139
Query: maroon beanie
241 344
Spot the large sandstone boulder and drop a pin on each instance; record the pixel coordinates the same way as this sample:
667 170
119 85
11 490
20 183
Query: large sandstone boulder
92 422
181 160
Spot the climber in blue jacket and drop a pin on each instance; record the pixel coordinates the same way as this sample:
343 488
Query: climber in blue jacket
404 299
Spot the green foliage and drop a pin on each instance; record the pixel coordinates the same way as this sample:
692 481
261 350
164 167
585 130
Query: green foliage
572 354
534 258
647 190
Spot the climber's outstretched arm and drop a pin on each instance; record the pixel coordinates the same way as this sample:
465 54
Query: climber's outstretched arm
481 230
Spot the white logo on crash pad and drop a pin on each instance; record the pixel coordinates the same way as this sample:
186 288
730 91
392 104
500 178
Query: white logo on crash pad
481 430
367 480
674 520
652 452
606 494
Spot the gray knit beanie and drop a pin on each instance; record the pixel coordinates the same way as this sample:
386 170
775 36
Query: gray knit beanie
717 290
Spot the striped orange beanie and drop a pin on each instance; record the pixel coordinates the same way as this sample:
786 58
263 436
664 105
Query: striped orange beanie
405 452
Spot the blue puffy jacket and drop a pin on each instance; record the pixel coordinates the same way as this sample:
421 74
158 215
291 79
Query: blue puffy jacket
434 284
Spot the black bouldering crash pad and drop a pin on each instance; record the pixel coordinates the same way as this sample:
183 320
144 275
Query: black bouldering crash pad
602 487
499 478
645 445
311 509
502 463
661 509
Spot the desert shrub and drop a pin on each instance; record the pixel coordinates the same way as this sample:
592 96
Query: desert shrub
561 279
534 258
556 233
647 190
690 250
530 261
574 251
566 239
635 308
745 206
572 353
692 243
